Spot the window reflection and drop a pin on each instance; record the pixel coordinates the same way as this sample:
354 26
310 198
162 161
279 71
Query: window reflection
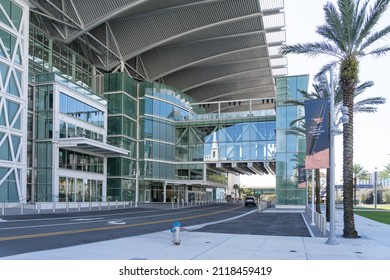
81 110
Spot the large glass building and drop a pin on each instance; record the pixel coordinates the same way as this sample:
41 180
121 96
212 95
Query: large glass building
121 104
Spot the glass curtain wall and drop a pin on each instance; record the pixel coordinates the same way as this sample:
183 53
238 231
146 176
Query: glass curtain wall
79 189
226 140
43 142
222 140
291 149
160 105
121 93
49 56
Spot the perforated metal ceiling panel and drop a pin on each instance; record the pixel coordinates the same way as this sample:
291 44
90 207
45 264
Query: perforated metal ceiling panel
211 49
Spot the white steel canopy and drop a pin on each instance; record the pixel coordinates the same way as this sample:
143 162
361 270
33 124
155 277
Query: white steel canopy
212 50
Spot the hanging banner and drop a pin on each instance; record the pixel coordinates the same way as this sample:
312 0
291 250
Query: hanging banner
301 177
317 133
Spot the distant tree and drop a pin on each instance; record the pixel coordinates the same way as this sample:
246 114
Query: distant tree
385 173
236 189
386 196
359 173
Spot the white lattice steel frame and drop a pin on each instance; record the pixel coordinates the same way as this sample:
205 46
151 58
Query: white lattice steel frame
17 163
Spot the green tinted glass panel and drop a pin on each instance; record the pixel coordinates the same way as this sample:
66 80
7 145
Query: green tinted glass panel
3 71
8 42
12 86
12 110
5 152
18 57
16 124
2 118
3 18
13 11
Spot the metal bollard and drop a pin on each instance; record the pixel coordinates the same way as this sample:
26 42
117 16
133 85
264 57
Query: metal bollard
176 233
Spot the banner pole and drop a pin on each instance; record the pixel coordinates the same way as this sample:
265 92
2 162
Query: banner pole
312 198
332 205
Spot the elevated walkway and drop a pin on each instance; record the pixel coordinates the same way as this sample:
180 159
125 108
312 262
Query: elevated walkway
232 142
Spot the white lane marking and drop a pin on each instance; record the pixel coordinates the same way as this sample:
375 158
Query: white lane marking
86 219
117 222
195 227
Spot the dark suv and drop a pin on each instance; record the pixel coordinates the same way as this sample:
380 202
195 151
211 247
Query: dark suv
250 200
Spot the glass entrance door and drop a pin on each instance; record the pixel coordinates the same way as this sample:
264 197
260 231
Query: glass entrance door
147 195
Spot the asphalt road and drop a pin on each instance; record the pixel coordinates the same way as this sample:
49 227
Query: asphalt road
28 233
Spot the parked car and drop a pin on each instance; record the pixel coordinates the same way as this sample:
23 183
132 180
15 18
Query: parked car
250 200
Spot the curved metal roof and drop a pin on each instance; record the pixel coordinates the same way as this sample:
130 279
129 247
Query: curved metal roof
212 50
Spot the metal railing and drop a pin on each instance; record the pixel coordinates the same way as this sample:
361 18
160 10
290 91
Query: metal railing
319 220
8 208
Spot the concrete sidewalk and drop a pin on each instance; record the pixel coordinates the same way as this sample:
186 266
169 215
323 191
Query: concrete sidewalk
374 244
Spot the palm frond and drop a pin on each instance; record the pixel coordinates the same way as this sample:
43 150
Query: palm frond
324 69
292 102
304 93
333 29
311 49
362 87
347 11
375 37
366 105
359 21
298 122
379 51
321 90
360 173
372 17
299 131
328 33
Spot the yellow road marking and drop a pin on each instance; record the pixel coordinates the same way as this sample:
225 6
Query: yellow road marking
108 228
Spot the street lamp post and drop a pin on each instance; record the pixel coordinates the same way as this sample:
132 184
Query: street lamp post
312 198
333 131
136 173
332 236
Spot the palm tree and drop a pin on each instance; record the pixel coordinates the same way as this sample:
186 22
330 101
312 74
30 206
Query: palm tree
385 174
321 91
349 35
359 173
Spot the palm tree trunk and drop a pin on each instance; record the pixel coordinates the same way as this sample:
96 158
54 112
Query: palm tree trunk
348 82
354 190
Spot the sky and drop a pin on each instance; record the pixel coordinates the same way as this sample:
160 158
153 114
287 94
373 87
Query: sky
371 131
